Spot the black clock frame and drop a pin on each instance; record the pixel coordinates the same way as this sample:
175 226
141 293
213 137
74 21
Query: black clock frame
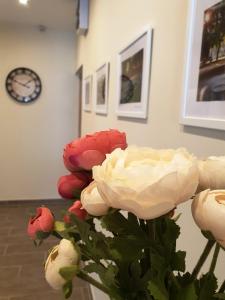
23 70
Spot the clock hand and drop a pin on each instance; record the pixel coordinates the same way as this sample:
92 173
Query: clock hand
29 81
21 83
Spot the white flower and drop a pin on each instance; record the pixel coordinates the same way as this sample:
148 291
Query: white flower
208 210
92 202
212 173
62 255
145 181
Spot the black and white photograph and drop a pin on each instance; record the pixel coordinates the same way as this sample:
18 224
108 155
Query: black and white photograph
102 81
203 100
87 93
133 77
211 84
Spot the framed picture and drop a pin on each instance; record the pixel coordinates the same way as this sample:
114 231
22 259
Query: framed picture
87 93
203 102
82 16
133 77
101 94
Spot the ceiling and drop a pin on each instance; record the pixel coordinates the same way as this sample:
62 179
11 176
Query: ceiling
55 14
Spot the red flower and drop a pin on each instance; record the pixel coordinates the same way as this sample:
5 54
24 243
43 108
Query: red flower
77 210
43 221
70 186
91 150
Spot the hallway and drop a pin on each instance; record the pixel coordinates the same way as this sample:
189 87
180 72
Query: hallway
21 263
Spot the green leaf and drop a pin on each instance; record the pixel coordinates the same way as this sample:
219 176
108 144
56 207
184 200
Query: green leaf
219 296
186 293
184 280
118 224
68 289
170 234
41 235
127 235
82 226
133 219
156 285
166 234
94 268
119 247
107 276
157 291
178 261
135 270
68 273
207 286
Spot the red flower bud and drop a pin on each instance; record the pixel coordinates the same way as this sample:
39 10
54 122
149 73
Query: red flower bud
77 210
43 221
91 150
70 186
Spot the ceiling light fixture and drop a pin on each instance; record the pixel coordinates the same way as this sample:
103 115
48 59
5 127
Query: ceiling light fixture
23 2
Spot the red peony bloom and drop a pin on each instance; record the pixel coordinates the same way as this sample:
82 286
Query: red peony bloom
91 150
70 186
43 221
77 210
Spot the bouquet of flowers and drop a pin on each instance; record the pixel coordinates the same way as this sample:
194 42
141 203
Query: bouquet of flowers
122 226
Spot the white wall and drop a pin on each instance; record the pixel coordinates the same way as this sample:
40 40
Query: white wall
113 24
32 136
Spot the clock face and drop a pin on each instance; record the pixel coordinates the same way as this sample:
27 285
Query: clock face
23 85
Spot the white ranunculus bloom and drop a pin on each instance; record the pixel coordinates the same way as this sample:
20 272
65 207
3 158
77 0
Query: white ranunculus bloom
145 181
212 173
92 202
62 255
208 210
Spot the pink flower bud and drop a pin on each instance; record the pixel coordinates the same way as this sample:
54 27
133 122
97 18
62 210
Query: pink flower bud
43 221
77 210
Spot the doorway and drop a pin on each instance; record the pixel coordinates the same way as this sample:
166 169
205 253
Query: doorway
78 95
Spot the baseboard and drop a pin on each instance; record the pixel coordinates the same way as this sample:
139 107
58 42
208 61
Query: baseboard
24 201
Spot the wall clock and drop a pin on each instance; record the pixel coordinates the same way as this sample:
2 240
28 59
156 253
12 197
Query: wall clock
23 85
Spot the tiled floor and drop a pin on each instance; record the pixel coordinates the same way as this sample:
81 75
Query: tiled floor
21 264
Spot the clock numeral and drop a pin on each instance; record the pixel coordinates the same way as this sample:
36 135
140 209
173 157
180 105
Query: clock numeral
34 95
27 99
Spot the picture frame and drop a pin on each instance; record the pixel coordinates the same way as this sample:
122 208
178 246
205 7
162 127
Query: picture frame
203 101
133 78
101 89
87 93
82 16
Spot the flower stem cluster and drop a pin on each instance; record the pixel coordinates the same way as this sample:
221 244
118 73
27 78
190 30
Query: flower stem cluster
122 224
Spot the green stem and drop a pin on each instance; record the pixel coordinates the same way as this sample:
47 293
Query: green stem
148 296
92 281
145 262
202 259
142 225
222 288
151 229
175 281
214 259
94 260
